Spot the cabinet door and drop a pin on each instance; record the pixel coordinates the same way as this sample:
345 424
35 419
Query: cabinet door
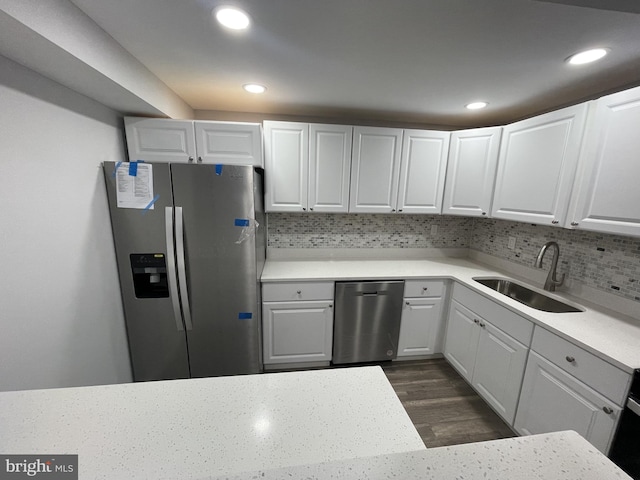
536 167
471 171
375 167
229 143
160 140
461 341
286 166
607 194
420 327
499 370
329 167
422 171
297 331
552 400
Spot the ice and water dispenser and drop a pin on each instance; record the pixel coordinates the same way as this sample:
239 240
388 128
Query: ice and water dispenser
149 275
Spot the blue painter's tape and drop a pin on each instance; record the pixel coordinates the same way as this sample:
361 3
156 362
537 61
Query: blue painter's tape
133 168
245 315
153 200
218 169
241 222
115 169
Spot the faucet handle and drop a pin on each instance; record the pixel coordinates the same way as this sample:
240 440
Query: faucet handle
557 282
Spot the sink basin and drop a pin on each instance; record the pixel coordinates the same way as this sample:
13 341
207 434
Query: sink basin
525 295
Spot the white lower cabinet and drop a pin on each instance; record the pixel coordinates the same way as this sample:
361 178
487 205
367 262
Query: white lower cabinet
553 400
422 323
297 323
297 331
497 374
567 388
491 359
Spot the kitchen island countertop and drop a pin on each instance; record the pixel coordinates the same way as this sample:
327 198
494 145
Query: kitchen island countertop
552 456
185 429
335 423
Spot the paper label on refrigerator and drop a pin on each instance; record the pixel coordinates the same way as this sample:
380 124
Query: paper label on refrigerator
135 191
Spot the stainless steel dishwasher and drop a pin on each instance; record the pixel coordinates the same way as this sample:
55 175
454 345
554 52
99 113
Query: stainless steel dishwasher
367 321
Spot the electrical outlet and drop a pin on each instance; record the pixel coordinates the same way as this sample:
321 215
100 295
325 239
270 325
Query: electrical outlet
512 243
434 230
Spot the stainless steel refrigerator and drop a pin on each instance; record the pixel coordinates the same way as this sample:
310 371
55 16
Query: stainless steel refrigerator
189 267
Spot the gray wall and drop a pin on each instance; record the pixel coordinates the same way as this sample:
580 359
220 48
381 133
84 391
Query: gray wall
327 230
610 263
61 314
607 262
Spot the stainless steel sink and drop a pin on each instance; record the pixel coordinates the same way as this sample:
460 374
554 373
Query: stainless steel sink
525 295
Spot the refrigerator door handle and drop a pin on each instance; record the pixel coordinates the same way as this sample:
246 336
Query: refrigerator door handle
172 278
182 270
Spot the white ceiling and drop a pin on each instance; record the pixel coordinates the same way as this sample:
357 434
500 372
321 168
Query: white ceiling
399 60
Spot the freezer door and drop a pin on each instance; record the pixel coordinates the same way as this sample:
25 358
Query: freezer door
218 214
157 340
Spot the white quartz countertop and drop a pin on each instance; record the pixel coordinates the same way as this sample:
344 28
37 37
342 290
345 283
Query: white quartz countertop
552 456
185 429
611 336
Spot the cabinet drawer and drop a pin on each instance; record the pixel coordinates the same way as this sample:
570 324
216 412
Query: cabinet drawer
286 291
423 288
509 322
603 377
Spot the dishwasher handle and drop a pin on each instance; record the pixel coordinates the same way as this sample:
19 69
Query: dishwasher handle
369 294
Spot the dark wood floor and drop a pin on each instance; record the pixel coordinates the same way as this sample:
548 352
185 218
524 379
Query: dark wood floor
443 407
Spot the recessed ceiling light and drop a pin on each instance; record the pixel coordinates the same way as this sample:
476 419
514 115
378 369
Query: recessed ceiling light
254 88
587 56
476 105
232 18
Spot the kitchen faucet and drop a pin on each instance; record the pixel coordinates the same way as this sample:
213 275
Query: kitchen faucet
552 282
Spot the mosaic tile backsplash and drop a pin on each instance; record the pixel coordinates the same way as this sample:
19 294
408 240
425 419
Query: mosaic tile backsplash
320 230
607 262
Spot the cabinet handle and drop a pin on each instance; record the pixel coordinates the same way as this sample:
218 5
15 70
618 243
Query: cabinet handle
482 325
484 213
475 320
400 210
199 159
555 222
570 359
424 289
574 224
304 209
299 292
407 303
607 410
311 208
331 305
393 209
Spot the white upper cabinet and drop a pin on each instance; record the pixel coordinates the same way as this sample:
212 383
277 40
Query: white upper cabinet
329 167
184 141
422 171
160 140
307 167
229 143
286 166
606 194
537 165
471 171
375 168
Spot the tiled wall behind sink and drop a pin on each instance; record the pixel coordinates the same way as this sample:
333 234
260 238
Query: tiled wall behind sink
318 230
607 262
